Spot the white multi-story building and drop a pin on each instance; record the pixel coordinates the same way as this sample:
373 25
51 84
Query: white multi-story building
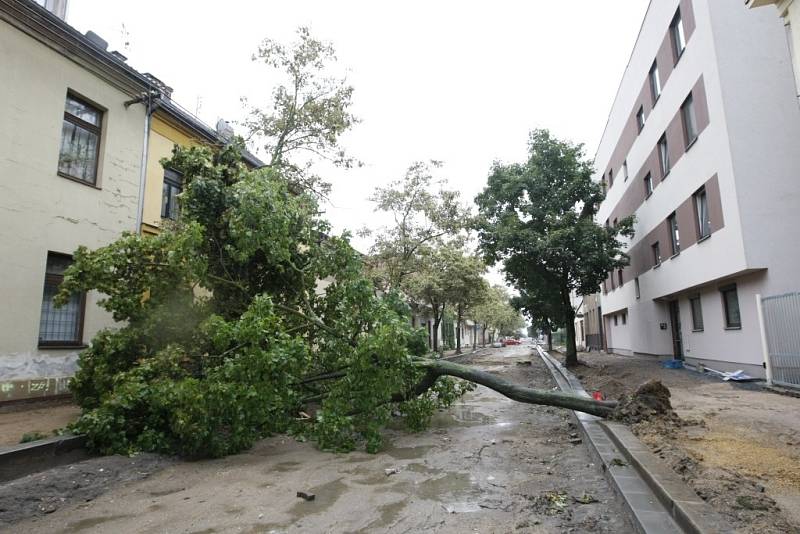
702 147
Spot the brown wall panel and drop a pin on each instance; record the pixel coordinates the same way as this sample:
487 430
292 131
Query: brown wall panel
641 255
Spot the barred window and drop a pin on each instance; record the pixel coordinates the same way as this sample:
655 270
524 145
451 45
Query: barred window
60 326
80 141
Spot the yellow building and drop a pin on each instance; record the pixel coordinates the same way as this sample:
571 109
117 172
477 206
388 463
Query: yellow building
171 125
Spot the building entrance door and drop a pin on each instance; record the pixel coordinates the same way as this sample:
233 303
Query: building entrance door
677 338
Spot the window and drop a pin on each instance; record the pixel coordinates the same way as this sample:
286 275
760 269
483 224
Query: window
730 301
636 286
605 287
619 277
656 254
689 121
60 326
678 35
615 320
701 213
615 222
648 185
613 282
640 118
697 313
625 170
80 141
655 82
624 318
663 155
610 177
674 235
173 185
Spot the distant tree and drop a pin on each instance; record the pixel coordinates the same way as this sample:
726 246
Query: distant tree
496 312
308 113
537 217
467 289
425 214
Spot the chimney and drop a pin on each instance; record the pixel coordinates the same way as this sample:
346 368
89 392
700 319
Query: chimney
56 7
97 40
224 129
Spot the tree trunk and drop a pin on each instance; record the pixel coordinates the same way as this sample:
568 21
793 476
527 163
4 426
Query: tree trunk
483 335
572 350
437 368
458 330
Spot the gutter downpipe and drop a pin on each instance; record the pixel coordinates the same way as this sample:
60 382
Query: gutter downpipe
150 107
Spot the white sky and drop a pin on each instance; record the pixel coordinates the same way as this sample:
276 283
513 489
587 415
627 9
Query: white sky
458 81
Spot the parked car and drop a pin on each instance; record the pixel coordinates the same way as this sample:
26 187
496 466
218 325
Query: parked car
512 341
498 345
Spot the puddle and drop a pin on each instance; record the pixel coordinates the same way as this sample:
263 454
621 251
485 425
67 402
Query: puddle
461 507
85 524
284 467
451 484
162 493
389 513
422 468
326 495
407 453
461 415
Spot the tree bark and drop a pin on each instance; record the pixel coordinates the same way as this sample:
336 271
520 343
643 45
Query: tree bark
571 359
483 335
437 368
458 330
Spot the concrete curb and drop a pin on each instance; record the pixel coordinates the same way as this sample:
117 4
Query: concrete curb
24 459
657 499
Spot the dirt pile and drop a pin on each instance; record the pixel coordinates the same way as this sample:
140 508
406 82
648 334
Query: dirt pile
650 401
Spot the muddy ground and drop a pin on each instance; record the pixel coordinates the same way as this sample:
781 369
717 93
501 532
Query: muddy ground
738 446
487 465
43 417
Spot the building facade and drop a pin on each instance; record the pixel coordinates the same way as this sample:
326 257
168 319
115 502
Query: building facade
701 147
71 144
789 11
81 141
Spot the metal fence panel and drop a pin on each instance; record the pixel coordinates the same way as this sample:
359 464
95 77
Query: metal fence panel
782 329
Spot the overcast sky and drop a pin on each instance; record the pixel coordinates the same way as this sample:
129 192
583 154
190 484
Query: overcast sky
458 81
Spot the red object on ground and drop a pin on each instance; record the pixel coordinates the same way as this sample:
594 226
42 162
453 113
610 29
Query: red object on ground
512 342
598 395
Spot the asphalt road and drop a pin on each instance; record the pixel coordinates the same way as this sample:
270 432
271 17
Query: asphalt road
486 465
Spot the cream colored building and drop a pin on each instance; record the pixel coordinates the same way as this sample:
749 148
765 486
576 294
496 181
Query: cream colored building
789 11
71 142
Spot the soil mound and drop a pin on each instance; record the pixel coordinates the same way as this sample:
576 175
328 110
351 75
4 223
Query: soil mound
649 401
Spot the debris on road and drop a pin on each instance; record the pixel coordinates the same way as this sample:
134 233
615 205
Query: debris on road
306 496
586 498
391 471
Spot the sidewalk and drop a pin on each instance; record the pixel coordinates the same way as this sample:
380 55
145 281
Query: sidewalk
739 448
43 417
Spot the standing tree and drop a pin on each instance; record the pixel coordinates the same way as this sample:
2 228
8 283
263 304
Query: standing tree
537 217
496 312
309 113
424 214
467 289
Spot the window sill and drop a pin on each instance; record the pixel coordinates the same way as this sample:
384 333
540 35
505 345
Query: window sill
657 265
698 330
733 328
704 238
675 255
664 175
650 194
78 180
692 143
62 346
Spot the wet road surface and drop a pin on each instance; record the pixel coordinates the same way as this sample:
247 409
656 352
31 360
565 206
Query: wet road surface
486 465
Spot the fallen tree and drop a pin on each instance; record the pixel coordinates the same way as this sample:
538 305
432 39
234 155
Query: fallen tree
226 334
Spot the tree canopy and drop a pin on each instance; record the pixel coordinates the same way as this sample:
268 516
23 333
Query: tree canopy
537 218
308 114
